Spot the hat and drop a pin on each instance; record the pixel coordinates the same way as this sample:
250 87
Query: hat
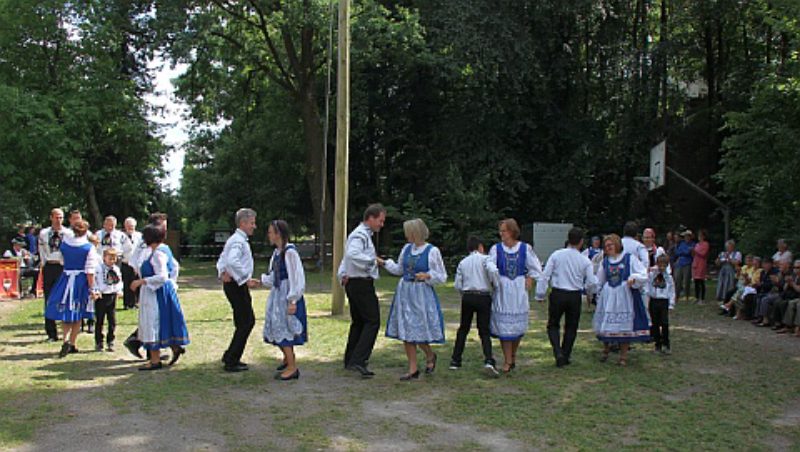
687 232
18 241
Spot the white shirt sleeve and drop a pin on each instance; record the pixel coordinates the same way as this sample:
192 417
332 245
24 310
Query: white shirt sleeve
436 267
297 276
533 263
233 263
92 261
396 268
159 261
491 266
544 278
670 289
99 283
355 253
589 279
638 273
458 283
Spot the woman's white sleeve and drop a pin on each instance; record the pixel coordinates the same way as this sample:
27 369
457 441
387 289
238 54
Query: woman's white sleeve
436 267
297 276
159 261
396 268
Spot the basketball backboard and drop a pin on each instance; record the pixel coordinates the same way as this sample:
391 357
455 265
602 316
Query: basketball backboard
658 165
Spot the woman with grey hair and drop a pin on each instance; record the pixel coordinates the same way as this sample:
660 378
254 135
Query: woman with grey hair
415 316
727 261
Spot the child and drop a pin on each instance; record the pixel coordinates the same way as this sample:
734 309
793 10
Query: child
474 284
108 284
661 289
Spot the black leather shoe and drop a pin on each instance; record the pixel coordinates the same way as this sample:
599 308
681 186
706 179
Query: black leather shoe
365 373
409 377
64 350
176 355
150 366
281 367
133 349
235 368
294 376
561 361
432 365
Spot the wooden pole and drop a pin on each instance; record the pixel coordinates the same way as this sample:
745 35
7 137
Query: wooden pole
342 153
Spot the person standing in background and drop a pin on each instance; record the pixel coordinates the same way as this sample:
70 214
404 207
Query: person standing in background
683 265
130 298
700 266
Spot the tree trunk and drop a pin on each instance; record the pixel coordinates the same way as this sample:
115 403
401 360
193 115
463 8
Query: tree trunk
312 134
95 218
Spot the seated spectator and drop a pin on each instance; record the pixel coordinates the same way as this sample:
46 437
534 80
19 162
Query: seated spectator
764 287
783 254
745 304
26 264
766 304
785 309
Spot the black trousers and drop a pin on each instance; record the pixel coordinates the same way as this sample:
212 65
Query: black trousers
243 319
659 316
479 305
50 274
105 308
129 297
365 320
700 289
566 303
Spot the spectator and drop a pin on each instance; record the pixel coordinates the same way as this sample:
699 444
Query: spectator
683 265
700 266
653 250
32 238
727 261
783 254
766 303
26 264
791 292
791 315
670 246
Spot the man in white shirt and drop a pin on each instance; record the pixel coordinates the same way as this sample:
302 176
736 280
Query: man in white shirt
569 273
130 297
783 254
474 283
235 269
358 272
26 266
111 237
52 261
632 246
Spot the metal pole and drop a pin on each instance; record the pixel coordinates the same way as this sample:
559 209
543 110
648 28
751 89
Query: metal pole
342 151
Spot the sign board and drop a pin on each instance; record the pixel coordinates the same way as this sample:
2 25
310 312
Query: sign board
658 165
221 236
9 276
548 237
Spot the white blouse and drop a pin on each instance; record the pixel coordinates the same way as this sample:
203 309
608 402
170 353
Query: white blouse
435 263
294 269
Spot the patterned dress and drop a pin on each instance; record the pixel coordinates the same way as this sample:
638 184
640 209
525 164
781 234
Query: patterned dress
621 315
286 280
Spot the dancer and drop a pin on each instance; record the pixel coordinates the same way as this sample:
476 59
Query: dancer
52 262
69 299
661 289
630 245
161 321
474 283
515 266
570 273
235 269
357 273
621 317
415 316
285 323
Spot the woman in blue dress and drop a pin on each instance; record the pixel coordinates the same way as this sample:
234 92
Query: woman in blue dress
161 321
415 316
285 323
69 300
515 266
621 317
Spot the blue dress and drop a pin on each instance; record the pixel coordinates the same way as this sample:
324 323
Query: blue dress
510 300
69 297
621 316
280 328
161 321
416 314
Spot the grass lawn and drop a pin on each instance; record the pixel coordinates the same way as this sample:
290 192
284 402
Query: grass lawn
728 385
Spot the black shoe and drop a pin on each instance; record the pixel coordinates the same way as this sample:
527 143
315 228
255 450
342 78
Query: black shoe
294 376
98 347
150 366
73 349
429 370
365 373
455 365
408 377
490 370
52 339
90 329
561 361
281 367
235 368
110 347
134 349
176 355
64 349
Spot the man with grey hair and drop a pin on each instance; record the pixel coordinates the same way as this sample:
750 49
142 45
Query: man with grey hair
783 254
235 269
130 298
